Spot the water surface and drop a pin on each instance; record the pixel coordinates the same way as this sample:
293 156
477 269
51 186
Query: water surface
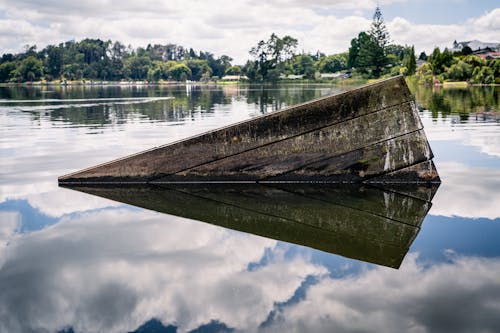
75 262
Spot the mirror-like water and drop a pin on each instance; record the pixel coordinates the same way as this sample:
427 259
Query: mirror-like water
269 259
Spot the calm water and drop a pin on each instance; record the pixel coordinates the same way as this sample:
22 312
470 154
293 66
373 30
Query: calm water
75 262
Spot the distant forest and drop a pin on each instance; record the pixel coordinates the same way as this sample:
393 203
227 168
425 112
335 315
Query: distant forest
370 55
95 59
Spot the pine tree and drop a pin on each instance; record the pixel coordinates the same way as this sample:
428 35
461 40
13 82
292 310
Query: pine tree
380 36
371 57
409 60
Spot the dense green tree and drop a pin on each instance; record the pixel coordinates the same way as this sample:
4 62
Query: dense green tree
398 51
31 69
198 68
154 72
332 63
466 50
271 54
483 75
192 54
252 70
219 65
72 71
353 52
54 61
368 52
303 65
29 51
360 55
7 69
104 60
365 61
422 56
494 64
474 61
440 60
409 60
461 71
93 50
136 67
179 72
6 57
117 52
234 70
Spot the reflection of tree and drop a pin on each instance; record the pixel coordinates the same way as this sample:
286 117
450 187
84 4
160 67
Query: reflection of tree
187 104
201 99
272 98
460 101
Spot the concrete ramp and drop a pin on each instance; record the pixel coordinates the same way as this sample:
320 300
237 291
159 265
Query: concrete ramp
371 134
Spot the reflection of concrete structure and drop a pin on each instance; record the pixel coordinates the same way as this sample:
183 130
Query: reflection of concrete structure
369 134
364 223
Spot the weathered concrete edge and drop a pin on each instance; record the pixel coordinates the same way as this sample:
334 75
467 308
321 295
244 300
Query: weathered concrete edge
411 113
274 114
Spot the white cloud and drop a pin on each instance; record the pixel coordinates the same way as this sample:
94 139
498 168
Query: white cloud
59 202
490 20
474 133
338 4
467 192
427 36
112 270
416 299
325 25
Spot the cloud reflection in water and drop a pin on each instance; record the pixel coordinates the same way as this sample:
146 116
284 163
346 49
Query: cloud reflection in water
113 269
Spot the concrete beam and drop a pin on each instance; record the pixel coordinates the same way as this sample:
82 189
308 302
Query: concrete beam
356 136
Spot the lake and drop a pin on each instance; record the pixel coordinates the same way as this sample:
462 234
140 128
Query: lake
71 261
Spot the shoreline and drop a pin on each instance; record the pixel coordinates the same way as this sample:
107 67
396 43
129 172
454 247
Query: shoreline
140 83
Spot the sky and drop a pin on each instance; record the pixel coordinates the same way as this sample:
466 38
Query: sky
232 27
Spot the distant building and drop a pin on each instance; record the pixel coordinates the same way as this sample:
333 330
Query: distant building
333 75
476 46
291 76
489 55
234 77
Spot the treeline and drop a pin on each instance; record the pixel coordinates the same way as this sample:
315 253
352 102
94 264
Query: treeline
458 66
277 58
95 59
370 56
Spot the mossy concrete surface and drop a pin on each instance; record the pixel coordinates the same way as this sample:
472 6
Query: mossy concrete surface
369 134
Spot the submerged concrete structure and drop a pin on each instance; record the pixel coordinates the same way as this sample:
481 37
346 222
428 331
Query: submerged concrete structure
363 222
371 134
